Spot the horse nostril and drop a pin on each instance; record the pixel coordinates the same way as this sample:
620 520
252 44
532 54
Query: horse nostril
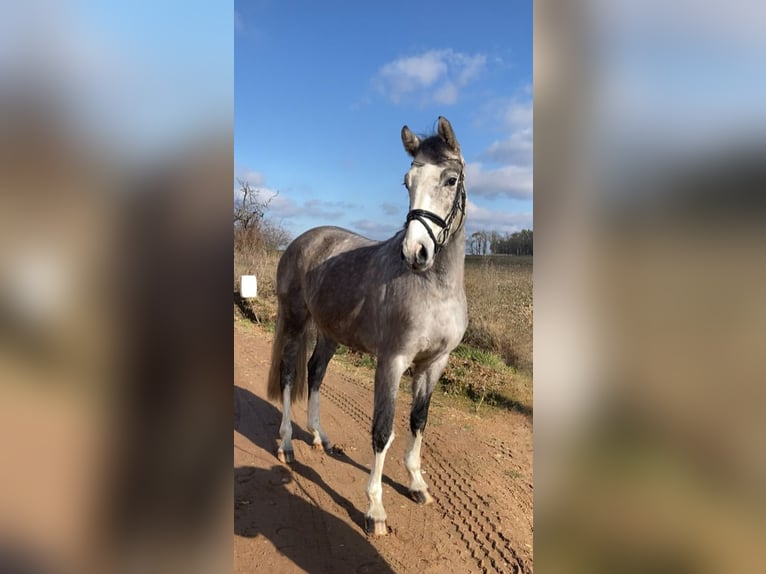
422 255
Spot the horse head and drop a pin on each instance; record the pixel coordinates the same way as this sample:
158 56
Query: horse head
436 184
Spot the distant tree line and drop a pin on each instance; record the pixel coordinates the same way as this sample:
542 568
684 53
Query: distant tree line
486 242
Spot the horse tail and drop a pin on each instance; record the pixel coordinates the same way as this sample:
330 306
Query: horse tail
274 391
281 338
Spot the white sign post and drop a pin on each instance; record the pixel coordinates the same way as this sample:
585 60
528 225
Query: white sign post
248 287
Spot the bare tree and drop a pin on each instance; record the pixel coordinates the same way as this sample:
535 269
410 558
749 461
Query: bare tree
249 209
251 228
257 238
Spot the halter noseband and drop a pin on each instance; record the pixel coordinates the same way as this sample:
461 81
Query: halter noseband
458 204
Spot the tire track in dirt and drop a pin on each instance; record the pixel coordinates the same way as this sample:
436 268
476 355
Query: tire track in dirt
348 405
465 509
468 511
477 529
481 519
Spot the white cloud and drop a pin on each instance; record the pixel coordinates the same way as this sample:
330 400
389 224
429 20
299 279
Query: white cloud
469 67
446 94
480 218
254 178
515 149
281 206
406 74
514 118
518 115
507 113
393 209
374 229
436 75
504 168
511 181
260 192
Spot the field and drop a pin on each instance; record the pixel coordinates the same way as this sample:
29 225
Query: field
499 293
493 364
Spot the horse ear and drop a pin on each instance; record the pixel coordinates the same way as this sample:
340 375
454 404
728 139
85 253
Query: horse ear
410 141
446 133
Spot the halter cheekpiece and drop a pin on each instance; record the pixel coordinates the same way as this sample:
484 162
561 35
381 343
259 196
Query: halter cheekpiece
458 204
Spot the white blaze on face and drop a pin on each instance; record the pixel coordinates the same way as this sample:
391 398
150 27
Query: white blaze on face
424 183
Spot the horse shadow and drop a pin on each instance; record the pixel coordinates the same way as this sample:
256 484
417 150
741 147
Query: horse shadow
265 506
272 417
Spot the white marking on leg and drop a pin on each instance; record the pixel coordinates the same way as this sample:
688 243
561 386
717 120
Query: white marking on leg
286 428
412 462
320 439
375 487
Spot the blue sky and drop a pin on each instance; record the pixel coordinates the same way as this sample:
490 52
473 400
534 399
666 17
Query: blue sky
122 70
322 90
141 77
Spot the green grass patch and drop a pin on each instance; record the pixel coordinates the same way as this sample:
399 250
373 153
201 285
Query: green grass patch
485 379
479 356
355 358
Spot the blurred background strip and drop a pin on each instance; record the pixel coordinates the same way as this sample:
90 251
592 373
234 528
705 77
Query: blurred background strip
650 286
116 154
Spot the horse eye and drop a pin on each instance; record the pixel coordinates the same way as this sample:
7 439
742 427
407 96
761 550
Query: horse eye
451 181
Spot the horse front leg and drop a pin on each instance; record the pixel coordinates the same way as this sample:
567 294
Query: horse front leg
387 376
423 382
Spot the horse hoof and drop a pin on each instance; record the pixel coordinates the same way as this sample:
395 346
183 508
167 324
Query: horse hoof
421 496
375 527
325 446
286 456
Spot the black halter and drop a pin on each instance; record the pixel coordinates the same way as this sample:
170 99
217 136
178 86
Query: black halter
458 204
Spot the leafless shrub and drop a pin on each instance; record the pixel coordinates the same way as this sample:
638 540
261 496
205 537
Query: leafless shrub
257 241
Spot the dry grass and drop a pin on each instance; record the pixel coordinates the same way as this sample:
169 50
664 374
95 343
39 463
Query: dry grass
493 365
499 293
263 264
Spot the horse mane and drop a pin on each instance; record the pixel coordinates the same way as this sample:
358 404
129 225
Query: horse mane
435 149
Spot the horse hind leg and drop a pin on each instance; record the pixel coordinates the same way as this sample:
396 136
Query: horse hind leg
292 381
285 451
320 358
423 382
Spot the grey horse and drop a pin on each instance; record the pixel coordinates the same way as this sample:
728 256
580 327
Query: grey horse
401 300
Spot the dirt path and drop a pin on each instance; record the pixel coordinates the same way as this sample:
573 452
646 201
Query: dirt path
309 516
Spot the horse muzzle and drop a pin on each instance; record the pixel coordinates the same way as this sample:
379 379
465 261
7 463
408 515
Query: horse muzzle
417 255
